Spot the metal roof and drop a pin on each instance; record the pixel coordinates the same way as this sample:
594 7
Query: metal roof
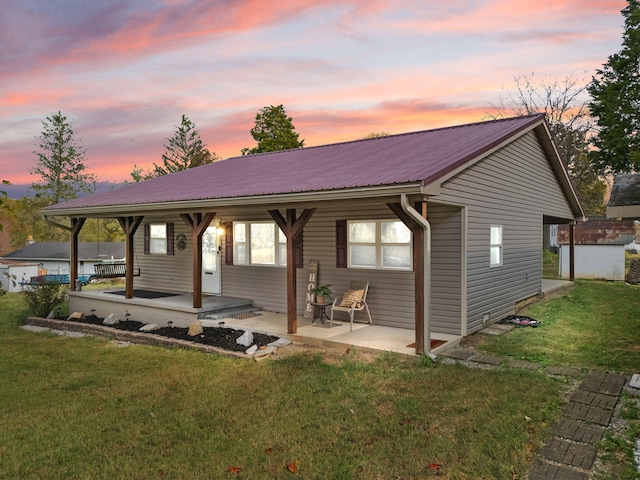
624 201
419 157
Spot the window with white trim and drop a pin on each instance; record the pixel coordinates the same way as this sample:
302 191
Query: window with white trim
379 244
158 238
259 243
495 246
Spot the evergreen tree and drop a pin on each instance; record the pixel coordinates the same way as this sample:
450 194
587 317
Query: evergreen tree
185 150
273 131
615 92
60 162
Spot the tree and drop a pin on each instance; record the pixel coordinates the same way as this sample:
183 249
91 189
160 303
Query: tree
564 103
185 150
3 197
60 162
273 131
615 92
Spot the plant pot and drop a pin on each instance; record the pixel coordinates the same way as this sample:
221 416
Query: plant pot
319 298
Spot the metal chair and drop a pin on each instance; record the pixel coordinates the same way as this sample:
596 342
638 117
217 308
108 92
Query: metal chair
354 300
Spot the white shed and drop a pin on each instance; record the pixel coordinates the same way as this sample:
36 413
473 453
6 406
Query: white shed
605 262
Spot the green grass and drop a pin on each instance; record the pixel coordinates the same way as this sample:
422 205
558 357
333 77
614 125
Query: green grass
597 325
550 264
89 409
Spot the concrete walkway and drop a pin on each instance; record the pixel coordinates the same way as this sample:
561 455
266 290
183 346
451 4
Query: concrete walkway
571 453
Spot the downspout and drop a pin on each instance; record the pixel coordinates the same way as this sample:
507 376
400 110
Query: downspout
412 212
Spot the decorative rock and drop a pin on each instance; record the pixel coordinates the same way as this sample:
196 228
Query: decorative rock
251 350
149 327
245 339
112 319
635 381
264 352
76 316
281 342
195 328
52 314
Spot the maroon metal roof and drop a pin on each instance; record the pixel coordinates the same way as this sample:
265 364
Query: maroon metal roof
396 159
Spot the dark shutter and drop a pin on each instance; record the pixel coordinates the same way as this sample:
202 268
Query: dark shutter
341 244
298 252
170 250
147 239
228 243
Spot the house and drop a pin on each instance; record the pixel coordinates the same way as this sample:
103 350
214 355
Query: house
54 257
445 225
624 201
599 245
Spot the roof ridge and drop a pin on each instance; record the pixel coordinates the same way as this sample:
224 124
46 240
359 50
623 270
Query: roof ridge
395 135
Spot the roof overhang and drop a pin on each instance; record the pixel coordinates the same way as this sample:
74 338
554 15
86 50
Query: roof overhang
207 204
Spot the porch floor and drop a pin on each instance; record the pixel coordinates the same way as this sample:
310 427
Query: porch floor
376 337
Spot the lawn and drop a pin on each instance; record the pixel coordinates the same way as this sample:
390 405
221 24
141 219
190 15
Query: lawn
597 325
88 408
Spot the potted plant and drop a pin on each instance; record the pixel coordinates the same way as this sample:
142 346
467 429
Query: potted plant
322 292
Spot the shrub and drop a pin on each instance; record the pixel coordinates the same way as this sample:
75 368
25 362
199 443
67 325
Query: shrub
44 297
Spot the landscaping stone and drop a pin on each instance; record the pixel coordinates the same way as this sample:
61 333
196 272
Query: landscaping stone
635 381
587 413
264 352
76 316
111 319
568 453
486 359
547 471
457 354
523 364
563 371
195 328
281 342
245 339
251 350
578 431
149 327
604 382
594 399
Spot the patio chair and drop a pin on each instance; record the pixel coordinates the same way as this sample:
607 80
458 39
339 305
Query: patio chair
352 301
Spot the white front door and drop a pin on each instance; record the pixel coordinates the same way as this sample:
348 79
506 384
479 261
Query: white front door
211 260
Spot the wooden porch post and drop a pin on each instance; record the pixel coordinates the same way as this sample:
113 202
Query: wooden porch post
291 228
76 226
572 252
129 225
197 223
418 269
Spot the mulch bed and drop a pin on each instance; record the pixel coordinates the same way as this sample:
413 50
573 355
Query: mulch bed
220 337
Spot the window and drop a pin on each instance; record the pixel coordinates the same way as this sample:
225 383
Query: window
259 243
495 246
381 244
158 238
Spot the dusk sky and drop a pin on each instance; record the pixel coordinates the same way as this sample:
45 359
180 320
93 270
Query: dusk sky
124 71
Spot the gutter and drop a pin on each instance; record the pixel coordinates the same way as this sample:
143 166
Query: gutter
413 213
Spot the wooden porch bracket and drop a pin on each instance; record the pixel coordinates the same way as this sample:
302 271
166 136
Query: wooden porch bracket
197 223
418 268
129 225
292 228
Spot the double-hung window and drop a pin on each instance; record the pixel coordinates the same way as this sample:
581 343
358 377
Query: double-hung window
379 244
259 243
495 246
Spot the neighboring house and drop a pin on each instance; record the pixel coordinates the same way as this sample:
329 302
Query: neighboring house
599 248
14 274
445 224
54 257
624 201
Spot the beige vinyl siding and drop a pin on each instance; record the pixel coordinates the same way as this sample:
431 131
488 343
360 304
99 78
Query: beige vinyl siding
172 273
514 187
446 268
